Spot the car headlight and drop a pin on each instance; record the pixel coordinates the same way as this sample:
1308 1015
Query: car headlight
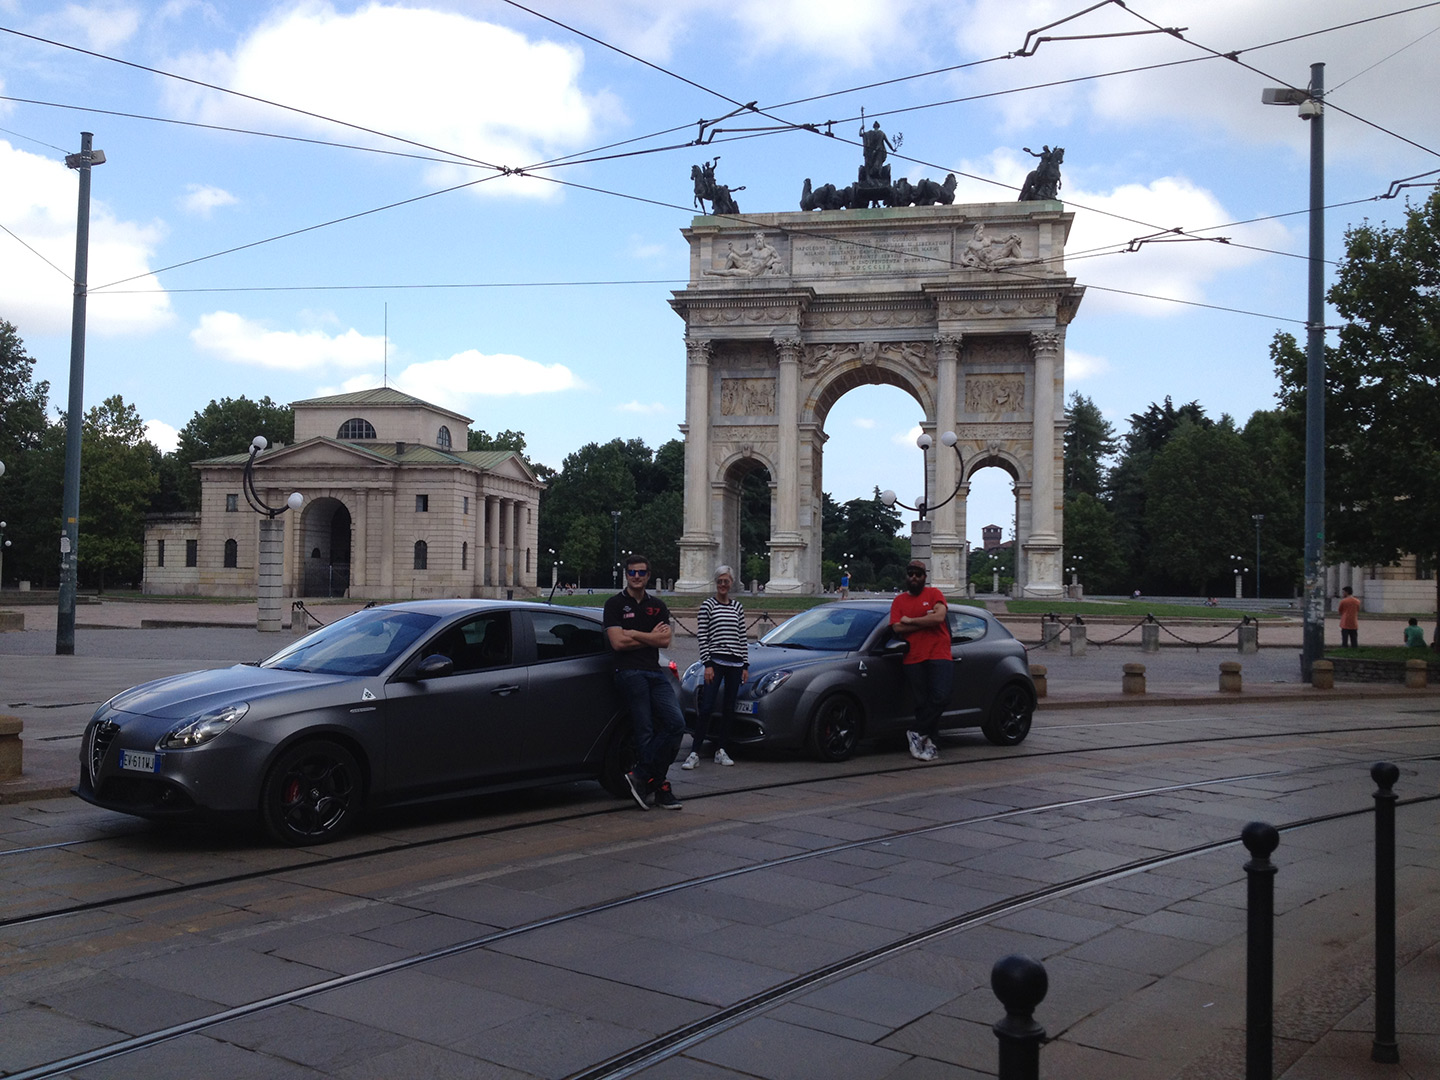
695 672
771 681
201 729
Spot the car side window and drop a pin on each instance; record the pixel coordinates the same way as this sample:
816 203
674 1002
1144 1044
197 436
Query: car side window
561 635
965 627
478 643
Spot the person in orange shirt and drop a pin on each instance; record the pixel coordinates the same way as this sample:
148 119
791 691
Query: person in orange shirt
1349 619
920 616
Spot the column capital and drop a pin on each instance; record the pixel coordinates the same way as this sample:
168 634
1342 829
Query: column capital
947 346
789 349
1046 342
697 351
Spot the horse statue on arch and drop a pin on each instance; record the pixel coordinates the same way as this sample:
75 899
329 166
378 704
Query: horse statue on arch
1043 183
707 190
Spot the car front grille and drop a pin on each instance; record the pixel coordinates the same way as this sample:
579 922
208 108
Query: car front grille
101 736
141 793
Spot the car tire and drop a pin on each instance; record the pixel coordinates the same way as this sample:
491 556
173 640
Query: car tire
835 727
619 760
1010 715
312 794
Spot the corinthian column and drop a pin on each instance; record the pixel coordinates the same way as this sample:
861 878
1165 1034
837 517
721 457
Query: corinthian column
697 543
1042 550
787 544
946 568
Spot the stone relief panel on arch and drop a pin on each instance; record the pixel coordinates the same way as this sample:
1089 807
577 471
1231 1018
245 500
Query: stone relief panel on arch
747 397
917 356
994 395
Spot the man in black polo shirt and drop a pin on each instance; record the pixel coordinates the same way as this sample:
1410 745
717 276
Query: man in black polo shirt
638 626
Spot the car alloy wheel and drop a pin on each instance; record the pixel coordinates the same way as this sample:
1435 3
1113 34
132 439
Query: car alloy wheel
835 728
1010 715
312 794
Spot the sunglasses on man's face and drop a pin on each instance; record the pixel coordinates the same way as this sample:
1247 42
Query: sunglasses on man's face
914 573
637 573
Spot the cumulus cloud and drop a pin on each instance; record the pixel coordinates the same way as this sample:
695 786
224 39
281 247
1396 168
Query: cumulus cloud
37 206
490 93
473 373
101 27
1080 366
238 340
653 409
864 422
906 438
163 436
202 199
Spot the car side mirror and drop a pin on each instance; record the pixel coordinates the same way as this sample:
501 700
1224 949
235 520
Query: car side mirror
896 646
435 666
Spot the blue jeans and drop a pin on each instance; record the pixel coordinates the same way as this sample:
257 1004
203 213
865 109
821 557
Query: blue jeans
725 685
656 719
930 682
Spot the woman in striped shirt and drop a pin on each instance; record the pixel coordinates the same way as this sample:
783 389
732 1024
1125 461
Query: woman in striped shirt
725 652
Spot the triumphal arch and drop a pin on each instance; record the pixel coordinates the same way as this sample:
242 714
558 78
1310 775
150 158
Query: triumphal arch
962 307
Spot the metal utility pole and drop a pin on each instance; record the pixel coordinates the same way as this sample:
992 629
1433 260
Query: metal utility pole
75 414
1311 107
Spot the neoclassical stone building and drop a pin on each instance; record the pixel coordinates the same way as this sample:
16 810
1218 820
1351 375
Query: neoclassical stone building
395 507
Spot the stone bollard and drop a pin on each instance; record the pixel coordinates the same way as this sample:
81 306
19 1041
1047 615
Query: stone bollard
1037 676
1417 675
1322 675
1230 676
1133 681
1050 632
12 620
1077 638
1249 638
12 751
1150 637
299 620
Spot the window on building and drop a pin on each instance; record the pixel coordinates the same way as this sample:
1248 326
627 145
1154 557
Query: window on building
356 428
422 555
232 554
232 503
465 503
422 504
442 438
465 555
192 552
159 552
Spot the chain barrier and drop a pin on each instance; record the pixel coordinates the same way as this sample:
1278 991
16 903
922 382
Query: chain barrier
1128 630
299 608
1213 641
762 619
1062 625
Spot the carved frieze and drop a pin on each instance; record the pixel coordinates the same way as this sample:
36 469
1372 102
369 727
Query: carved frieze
744 315
996 350
917 356
1021 305
995 394
861 317
747 397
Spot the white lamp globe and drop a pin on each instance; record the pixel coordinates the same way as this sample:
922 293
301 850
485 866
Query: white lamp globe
295 500
923 442
259 443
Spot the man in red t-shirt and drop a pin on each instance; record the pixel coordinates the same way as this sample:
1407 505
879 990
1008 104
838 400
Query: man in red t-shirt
919 615
1349 619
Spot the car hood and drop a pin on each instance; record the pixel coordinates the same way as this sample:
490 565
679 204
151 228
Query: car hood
765 658
196 692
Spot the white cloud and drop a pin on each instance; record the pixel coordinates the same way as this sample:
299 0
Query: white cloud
654 408
1080 366
238 340
473 373
37 205
101 27
164 437
863 422
489 92
906 438
201 199
640 248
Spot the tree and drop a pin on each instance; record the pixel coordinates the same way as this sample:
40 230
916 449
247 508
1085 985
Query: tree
1382 394
221 428
1089 441
117 482
24 502
503 440
1090 539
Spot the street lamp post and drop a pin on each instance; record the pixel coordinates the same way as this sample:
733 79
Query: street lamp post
270 581
615 520
1076 560
920 530
1258 519
1237 565
3 545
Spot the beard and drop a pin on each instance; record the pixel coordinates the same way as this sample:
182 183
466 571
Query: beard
914 586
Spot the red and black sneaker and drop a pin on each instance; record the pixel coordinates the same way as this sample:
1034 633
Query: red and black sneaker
665 798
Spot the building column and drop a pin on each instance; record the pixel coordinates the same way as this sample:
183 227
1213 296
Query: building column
359 541
492 546
387 544
697 542
503 542
947 568
517 542
1042 551
786 543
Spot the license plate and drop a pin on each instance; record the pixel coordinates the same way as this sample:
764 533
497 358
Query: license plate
747 707
135 761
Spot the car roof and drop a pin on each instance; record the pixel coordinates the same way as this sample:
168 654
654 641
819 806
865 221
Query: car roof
461 605
870 604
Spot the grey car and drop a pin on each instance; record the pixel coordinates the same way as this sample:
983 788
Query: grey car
833 675
392 705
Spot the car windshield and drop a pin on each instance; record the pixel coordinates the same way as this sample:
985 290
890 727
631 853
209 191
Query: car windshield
366 643
831 627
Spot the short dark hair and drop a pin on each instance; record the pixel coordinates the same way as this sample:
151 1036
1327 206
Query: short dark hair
635 560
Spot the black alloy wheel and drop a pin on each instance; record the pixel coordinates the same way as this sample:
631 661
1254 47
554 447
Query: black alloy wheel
312 794
1010 715
835 728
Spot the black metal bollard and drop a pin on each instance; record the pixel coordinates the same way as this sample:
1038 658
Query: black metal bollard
1260 840
1384 1048
1020 983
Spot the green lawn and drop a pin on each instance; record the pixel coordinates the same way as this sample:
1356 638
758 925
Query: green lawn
1381 652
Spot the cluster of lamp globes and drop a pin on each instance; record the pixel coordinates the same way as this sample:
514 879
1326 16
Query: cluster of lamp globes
260 443
924 442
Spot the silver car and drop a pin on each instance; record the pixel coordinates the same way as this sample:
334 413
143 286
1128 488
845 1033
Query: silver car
833 675
392 705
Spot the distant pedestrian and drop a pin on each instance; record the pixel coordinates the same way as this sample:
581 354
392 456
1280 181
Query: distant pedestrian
1349 608
637 624
920 616
845 585
725 652
1414 636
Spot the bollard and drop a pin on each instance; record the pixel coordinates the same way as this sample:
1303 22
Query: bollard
1050 632
1249 637
1417 675
1230 676
1260 839
1384 1049
1133 679
1037 676
299 618
1020 983
1077 637
12 750
1149 635
1322 675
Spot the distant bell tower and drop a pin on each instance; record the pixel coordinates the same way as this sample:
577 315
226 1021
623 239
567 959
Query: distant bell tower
991 533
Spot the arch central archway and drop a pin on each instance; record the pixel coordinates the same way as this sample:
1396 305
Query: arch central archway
896 296
325 528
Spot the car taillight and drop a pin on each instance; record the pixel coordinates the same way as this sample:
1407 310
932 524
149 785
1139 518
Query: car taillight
675 670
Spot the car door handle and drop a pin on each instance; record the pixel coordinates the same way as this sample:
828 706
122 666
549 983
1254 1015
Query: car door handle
504 691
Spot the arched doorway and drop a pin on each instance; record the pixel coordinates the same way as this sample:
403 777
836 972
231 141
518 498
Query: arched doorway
747 518
325 529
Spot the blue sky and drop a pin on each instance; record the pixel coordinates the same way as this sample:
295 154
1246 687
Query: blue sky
539 305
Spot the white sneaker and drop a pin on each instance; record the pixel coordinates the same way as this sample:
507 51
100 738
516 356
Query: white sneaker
722 758
917 745
691 761
931 750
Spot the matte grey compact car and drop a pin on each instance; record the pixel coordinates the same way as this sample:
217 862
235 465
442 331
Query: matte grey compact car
392 705
832 676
